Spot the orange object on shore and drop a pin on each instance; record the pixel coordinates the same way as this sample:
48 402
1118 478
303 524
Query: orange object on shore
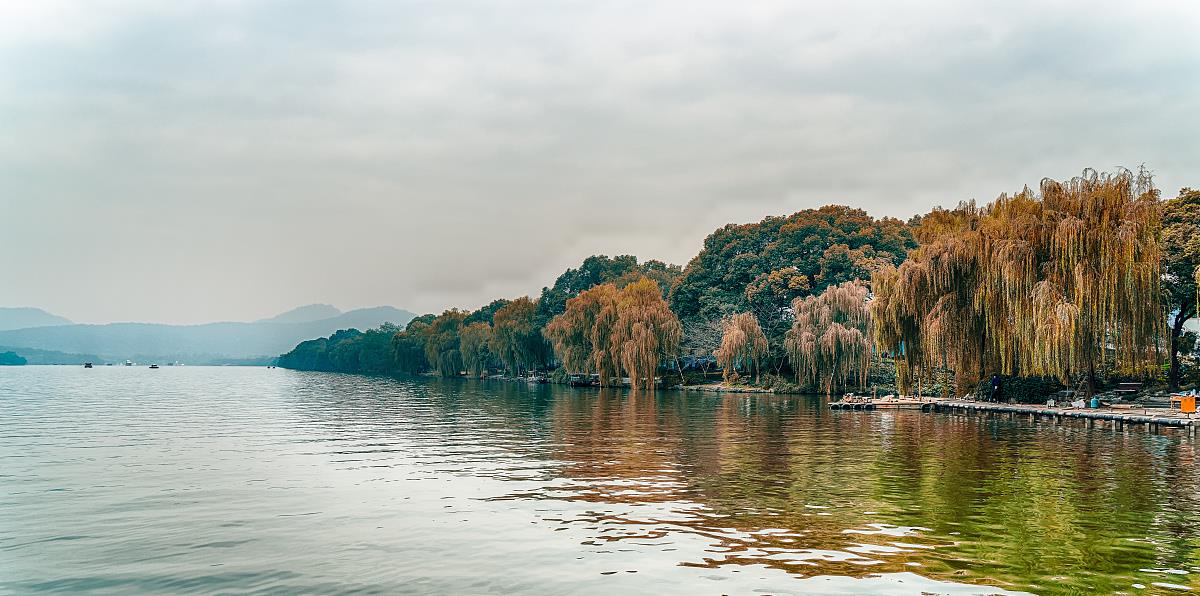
1186 404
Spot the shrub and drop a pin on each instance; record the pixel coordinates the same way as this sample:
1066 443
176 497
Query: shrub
560 376
1021 390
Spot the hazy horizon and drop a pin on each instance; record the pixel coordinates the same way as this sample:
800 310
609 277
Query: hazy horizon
266 318
195 162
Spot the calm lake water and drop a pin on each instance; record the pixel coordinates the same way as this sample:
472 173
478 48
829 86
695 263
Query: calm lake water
207 480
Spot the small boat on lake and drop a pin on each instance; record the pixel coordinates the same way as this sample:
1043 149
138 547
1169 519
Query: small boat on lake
153 366
87 364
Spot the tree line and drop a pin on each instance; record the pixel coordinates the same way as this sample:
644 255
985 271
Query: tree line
1069 281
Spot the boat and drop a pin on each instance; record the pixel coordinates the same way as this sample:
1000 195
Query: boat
153 366
87 364
584 380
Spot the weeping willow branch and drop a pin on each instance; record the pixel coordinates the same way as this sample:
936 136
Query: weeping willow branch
607 331
645 332
743 344
1037 285
582 335
828 343
473 344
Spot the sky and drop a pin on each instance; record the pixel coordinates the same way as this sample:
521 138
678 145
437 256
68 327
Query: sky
187 162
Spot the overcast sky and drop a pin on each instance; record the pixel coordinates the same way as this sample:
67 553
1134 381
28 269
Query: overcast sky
219 160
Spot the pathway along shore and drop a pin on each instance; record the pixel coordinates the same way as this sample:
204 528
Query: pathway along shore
1152 419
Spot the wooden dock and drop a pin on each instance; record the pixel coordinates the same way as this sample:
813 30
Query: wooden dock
1116 417
884 403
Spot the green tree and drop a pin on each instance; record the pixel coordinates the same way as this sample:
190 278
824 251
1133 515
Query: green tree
486 313
473 344
408 346
825 246
762 267
442 343
516 338
12 359
1180 267
620 270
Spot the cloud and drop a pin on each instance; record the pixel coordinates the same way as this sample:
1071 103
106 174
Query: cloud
435 154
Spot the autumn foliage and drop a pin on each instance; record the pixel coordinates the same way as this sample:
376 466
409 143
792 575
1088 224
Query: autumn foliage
743 345
1031 285
1068 281
609 332
829 343
516 338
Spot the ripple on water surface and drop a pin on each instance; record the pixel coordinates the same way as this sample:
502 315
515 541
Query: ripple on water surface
203 480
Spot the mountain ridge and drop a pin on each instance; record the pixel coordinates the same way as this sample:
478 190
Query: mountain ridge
305 314
203 342
23 317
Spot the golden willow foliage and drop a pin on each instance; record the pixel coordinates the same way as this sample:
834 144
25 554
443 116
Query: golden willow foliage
924 311
607 331
743 344
473 343
1029 285
582 334
828 343
645 332
442 345
516 339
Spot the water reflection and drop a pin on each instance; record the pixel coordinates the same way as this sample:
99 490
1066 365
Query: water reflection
211 480
782 482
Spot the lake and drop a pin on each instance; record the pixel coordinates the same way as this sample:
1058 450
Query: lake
254 480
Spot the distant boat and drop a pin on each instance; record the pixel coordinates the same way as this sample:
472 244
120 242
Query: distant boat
153 366
87 364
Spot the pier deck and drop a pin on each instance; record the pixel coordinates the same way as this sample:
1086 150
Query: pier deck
885 403
1125 415
1116 416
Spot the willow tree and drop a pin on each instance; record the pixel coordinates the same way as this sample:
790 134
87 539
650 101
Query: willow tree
743 344
516 339
582 335
924 311
442 343
1045 283
828 344
644 332
1086 277
473 344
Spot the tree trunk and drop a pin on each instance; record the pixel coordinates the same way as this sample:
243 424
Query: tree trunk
1091 377
1176 331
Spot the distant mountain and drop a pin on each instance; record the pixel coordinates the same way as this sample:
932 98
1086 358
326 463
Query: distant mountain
194 344
35 356
21 318
305 314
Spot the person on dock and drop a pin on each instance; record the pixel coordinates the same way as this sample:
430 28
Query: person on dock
995 387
